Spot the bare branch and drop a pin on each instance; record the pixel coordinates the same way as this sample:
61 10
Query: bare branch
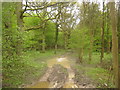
40 8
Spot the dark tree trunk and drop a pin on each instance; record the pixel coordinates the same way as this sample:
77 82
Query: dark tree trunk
56 38
102 42
108 28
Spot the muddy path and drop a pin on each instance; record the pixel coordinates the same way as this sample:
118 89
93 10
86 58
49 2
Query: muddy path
58 75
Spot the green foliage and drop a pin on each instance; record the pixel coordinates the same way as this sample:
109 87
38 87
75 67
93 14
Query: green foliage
50 34
32 21
10 38
96 59
33 38
22 61
79 39
60 39
28 42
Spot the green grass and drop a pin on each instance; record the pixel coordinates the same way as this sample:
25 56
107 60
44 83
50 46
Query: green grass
34 55
36 62
99 76
96 71
29 69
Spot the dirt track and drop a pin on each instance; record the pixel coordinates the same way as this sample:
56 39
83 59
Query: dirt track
61 75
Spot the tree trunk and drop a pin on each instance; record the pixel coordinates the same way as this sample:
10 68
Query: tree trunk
108 38
108 33
69 36
80 58
65 40
118 28
20 26
102 42
43 44
56 38
19 15
43 30
90 50
43 40
57 25
114 43
91 27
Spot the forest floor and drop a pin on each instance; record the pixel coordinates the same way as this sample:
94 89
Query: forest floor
63 72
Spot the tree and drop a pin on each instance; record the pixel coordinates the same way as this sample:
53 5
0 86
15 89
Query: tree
118 28
90 16
11 58
108 28
67 22
44 15
102 32
114 42
19 14
57 27
78 36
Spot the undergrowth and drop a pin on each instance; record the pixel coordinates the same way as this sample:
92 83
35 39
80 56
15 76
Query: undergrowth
30 68
97 72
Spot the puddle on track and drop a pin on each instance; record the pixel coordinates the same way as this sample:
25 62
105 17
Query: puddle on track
43 84
66 64
62 61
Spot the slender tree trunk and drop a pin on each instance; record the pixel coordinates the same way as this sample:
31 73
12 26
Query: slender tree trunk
43 40
108 39
107 27
43 30
102 42
90 49
114 42
43 44
68 37
91 43
91 27
56 38
80 60
65 40
57 25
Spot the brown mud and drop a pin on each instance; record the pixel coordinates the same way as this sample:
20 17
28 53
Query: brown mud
60 74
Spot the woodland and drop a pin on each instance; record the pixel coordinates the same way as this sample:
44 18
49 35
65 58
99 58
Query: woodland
81 40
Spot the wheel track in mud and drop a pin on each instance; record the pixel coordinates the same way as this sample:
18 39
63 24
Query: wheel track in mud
54 78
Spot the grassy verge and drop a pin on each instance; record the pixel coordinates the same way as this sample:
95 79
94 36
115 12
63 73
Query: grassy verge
38 56
29 69
99 76
98 73
36 62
